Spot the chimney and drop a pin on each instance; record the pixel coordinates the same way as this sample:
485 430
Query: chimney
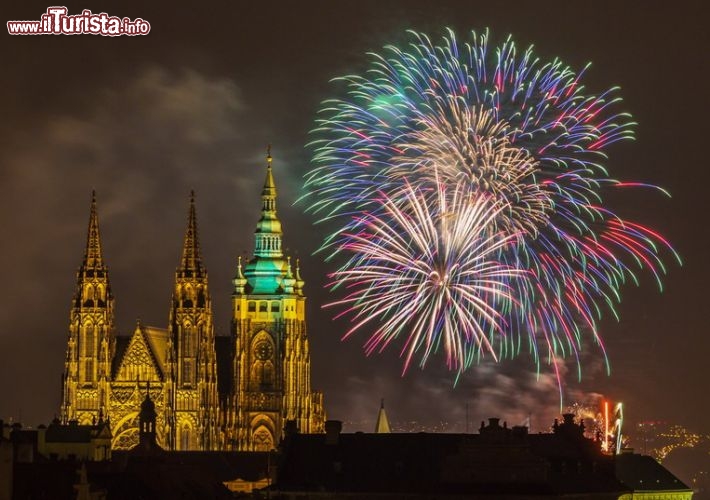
332 431
291 428
520 431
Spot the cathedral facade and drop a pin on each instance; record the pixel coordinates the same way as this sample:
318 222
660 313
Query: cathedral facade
210 393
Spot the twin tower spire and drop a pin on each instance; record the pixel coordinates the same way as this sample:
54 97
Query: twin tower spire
191 261
93 258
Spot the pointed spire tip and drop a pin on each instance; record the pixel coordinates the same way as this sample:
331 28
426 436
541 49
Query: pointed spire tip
191 259
92 256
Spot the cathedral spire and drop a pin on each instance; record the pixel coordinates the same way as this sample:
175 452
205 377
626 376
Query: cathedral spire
191 262
269 184
268 229
93 258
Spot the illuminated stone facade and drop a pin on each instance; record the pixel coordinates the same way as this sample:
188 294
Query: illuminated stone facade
108 376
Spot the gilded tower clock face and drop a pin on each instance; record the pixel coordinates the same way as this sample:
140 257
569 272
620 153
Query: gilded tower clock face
263 350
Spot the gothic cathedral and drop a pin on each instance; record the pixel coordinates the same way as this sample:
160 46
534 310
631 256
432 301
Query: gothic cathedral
263 367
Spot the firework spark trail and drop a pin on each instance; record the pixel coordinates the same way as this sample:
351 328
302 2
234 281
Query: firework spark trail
504 126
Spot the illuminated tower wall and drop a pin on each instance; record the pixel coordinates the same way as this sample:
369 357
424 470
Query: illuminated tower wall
193 364
271 371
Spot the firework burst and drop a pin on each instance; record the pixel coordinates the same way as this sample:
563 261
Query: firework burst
429 270
500 125
465 143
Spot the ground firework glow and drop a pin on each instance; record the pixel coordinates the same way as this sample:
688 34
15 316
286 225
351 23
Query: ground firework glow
520 141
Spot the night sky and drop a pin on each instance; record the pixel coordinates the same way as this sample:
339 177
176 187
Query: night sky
193 105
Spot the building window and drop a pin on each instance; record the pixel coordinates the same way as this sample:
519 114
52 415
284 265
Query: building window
185 438
251 307
262 439
89 340
89 296
188 340
263 307
89 370
275 307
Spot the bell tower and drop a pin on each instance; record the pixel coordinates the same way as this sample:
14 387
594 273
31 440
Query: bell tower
271 369
193 393
87 368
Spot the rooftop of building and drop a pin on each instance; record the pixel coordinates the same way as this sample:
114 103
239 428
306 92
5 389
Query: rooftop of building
497 460
643 473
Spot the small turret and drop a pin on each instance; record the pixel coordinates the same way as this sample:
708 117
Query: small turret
382 426
146 424
239 281
289 281
299 281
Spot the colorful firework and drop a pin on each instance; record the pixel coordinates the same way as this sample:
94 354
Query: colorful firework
519 133
461 142
430 270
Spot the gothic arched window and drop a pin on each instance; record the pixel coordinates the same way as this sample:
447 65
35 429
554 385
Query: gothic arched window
187 341
185 438
187 372
89 339
89 370
262 439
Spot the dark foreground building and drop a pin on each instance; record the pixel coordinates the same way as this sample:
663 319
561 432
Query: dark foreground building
498 462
